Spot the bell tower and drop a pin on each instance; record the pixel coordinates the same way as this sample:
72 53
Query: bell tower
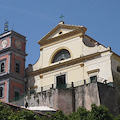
12 65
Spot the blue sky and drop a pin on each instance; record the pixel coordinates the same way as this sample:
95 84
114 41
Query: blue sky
35 18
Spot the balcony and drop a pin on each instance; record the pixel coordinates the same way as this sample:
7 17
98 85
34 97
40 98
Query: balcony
73 84
63 86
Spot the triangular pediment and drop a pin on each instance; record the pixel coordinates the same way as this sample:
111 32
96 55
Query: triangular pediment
60 30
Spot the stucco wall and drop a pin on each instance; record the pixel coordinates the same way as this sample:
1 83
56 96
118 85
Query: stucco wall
76 72
77 48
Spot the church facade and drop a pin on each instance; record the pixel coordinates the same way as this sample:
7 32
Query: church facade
70 59
73 70
68 55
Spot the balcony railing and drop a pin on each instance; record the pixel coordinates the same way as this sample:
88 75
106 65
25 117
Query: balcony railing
61 86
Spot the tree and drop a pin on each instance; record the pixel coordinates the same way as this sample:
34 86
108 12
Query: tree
99 113
117 117
81 114
6 113
59 115
96 113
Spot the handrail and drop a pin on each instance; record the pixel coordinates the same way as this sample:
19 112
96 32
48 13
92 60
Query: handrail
58 86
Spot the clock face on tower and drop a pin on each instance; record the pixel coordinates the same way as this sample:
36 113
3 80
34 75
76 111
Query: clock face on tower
18 44
4 43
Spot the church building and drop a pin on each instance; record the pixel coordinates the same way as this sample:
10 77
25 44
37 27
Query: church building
69 58
68 55
73 70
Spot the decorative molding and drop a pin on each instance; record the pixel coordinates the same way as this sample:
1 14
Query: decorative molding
93 71
66 63
41 76
61 38
82 64
5 34
62 26
2 83
17 35
33 87
56 51
81 35
3 60
41 49
12 50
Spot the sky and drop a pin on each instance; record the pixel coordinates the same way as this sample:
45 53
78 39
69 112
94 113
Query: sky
35 18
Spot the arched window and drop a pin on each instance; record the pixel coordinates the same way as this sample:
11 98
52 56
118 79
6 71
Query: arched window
1 92
61 55
2 67
17 68
118 68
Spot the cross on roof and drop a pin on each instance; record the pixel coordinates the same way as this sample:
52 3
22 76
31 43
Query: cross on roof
61 17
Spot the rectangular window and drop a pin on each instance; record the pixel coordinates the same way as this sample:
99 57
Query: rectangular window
17 66
16 93
1 90
2 66
17 96
61 81
93 79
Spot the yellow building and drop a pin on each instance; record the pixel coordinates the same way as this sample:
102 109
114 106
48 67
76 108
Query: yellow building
79 71
68 55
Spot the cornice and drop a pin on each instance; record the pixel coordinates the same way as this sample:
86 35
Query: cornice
17 34
10 49
61 64
92 39
12 33
5 34
62 26
18 51
115 56
4 50
61 38
16 76
93 71
8 75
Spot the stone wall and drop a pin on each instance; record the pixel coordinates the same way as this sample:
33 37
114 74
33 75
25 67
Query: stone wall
70 99
109 98
86 95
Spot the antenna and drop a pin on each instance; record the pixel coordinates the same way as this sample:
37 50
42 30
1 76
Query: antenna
6 26
13 27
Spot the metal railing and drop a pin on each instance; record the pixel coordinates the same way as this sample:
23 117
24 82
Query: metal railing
59 86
